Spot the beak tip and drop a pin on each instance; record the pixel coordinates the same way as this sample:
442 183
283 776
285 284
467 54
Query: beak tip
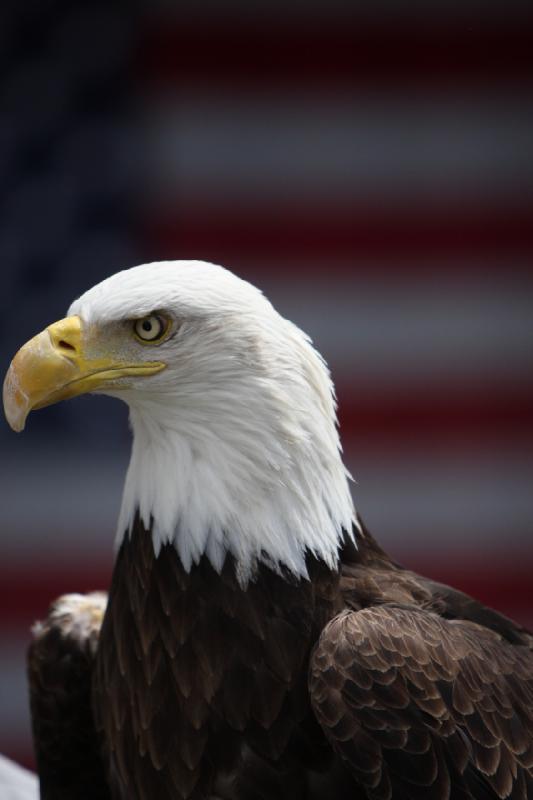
16 406
17 427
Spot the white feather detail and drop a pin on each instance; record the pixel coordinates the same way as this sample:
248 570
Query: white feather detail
235 444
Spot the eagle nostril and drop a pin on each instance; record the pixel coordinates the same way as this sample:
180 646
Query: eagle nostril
65 345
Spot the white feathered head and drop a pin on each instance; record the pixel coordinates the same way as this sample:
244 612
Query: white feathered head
235 444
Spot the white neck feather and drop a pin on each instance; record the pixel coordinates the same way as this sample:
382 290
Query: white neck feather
247 464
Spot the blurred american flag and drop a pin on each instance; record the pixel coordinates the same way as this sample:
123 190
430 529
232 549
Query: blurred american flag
370 167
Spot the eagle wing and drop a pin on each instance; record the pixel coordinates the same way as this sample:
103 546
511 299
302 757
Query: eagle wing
423 707
60 667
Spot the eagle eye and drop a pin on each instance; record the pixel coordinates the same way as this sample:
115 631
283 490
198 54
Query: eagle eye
151 328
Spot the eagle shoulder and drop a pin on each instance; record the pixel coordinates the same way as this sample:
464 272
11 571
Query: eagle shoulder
60 670
420 706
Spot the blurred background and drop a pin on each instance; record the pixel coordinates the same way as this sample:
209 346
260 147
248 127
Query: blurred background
370 166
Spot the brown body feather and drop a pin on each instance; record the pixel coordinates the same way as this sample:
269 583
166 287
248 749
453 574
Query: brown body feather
60 662
196 677
370 682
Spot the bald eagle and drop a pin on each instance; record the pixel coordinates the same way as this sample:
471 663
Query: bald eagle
256 641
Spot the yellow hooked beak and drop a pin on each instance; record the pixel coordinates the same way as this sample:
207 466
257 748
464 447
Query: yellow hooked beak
53 366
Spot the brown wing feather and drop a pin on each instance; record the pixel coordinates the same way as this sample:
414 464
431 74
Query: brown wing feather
60 662
423 707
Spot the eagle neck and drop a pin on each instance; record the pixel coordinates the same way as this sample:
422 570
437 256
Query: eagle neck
230 486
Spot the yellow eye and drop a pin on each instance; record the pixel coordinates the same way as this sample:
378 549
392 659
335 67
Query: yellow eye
150 328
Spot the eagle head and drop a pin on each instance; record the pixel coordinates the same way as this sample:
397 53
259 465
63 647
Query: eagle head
235 442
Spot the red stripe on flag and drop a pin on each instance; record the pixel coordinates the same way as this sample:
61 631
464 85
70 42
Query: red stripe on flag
234 234
339 52
503 583
460 418
26 592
